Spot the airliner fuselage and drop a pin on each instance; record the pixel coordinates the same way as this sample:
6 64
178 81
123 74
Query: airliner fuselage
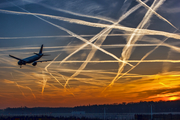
32 59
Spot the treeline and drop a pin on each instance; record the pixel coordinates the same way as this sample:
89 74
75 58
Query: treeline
158 117
140 107
137 117
44 118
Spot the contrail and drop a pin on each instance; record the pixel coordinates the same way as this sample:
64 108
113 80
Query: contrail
134 45
102 46
128 29
51 73
158 15
166 66
58 73
170 61
44 82
147 54
25 74
115 61
93 76
87 43
31 91
30 37
101 39
174 48
127 49
26 87
89 57
78 14
18 86
18 2
165 85
20 89
70 20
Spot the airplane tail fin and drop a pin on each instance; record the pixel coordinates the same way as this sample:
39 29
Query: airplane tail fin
40 51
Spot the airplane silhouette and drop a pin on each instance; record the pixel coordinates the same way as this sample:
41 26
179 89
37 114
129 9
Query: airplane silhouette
32 59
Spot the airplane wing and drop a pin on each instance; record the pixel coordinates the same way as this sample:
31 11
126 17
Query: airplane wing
15 57
44 61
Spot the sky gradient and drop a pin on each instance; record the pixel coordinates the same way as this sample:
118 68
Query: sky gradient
102 52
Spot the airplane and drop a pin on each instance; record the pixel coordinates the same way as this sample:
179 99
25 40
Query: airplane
32 59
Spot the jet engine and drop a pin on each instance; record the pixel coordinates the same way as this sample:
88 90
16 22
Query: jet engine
34 63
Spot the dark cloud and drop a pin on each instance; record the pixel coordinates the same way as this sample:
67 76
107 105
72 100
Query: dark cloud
154 92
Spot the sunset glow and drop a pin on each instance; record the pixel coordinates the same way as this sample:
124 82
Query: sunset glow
173 98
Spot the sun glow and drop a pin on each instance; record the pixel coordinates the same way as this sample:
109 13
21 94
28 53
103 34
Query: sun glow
173 98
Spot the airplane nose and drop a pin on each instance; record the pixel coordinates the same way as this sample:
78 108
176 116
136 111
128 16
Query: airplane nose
19 63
